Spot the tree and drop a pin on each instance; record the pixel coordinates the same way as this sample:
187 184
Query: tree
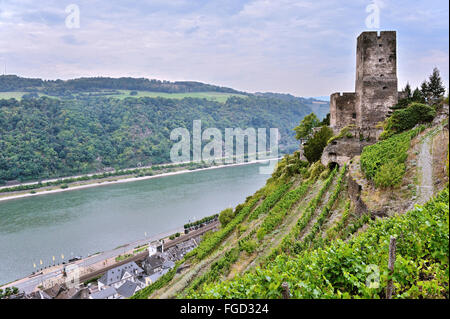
326 120
407 90
435 87
417 96
226 216
425 91
314 147
305 127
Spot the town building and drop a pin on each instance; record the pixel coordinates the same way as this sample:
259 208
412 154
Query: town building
117 276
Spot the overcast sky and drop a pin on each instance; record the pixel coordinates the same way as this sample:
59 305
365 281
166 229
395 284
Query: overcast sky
306 48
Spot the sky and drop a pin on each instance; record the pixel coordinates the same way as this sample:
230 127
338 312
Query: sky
305 48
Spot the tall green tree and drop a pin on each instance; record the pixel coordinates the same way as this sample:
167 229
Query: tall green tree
407 90
425 91
436 89
417 96
304 129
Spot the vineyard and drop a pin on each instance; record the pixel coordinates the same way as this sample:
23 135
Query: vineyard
302 230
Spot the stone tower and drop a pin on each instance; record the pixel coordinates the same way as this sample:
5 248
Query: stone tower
375 92
375 85
376 77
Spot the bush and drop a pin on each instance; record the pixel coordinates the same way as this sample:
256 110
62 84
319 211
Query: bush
325 173
345 131
314 147
315 170
226 216
405 119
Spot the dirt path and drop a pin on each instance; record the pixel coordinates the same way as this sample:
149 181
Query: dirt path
425 164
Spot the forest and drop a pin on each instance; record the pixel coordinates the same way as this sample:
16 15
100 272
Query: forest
47 137
62 88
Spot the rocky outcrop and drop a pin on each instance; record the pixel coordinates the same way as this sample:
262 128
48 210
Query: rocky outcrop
349 143
354 192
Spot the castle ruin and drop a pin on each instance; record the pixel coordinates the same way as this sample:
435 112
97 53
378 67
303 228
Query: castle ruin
376 91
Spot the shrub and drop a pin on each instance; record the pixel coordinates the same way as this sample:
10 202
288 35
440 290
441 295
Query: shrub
226 216
314 147
405 119
315 170
325 173
345 131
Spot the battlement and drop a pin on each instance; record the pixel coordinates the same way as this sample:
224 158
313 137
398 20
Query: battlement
341 94
378 35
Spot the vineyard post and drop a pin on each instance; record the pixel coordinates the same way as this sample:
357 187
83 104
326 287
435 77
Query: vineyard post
285 290
392 249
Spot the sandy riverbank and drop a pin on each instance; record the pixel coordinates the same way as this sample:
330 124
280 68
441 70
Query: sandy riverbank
125 180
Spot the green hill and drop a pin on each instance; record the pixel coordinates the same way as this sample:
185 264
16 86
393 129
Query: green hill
304 229
50 137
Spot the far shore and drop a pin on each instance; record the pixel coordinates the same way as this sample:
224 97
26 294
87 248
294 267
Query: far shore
127 180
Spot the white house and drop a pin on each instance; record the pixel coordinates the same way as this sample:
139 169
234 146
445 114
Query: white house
116 277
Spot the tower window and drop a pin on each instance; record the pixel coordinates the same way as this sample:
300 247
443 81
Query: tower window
380 45
354 115
380 60
381 75
384 87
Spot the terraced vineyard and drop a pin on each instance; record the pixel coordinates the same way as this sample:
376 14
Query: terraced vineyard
302 229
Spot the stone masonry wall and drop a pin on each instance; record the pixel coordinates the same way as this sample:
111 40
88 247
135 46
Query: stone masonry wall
342 110
376 77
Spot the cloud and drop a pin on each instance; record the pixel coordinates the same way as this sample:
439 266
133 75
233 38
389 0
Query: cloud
299 47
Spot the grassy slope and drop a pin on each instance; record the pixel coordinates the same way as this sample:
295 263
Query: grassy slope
318 225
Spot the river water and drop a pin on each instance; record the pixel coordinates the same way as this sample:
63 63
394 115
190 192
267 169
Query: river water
86 221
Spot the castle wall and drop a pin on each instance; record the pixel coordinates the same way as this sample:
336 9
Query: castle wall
375 93
376 77
342 110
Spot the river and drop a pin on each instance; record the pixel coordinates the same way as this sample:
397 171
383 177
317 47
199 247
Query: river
86 221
